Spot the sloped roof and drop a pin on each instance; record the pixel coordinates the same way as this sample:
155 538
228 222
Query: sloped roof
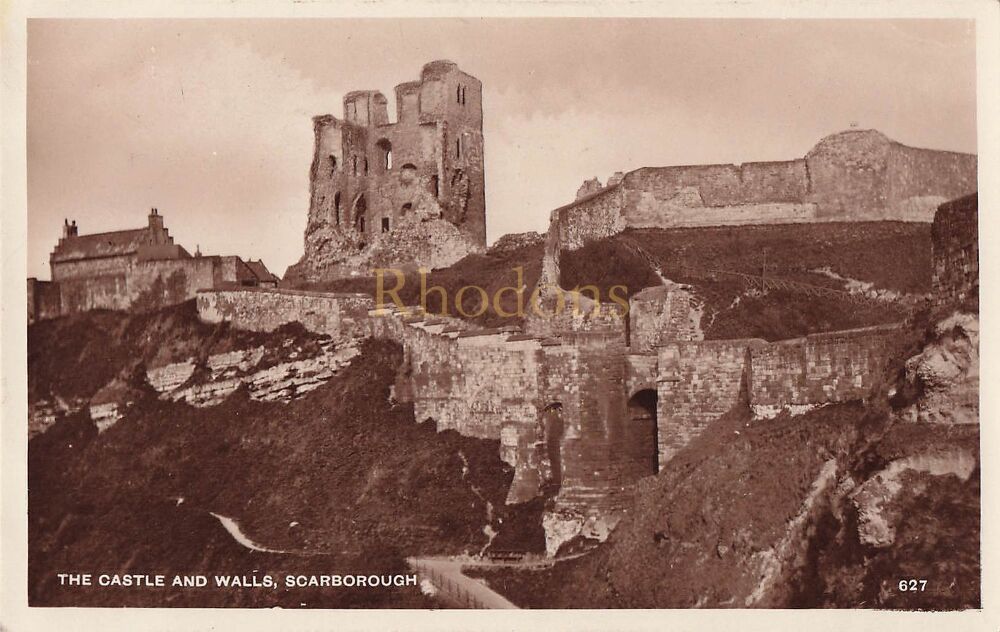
113 244
261 271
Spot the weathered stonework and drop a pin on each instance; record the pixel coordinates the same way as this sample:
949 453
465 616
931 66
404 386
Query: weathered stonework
955 243
139 270
405 193
579 414
856 175
268 309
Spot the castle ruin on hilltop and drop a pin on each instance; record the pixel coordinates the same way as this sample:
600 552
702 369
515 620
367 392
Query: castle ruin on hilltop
408 193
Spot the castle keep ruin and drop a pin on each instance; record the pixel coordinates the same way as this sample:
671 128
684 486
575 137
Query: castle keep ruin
408 193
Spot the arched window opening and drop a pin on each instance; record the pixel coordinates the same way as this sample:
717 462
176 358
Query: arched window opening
333 164
385 149
360 209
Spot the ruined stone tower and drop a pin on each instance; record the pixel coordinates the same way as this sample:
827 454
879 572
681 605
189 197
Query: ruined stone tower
408 192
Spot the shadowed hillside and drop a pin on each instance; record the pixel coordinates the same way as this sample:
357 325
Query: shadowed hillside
343 479
830 255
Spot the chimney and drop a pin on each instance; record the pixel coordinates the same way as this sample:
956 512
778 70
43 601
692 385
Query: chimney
69 230
156 231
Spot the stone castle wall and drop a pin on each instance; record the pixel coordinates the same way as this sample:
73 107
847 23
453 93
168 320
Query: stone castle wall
127 282
561 406
44 300
701 380
697 382
851 176
265 309
819 368
955 243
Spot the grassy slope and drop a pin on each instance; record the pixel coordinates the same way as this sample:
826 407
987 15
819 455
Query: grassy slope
366 484
891 255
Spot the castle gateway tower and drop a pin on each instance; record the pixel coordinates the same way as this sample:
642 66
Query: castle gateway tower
408 193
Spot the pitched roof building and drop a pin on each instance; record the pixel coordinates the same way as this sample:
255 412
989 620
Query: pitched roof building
138 268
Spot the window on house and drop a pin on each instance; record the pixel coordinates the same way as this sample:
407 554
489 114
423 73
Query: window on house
458 147
366 165
354 159
336 207
458 94
434 186
463 95
385 224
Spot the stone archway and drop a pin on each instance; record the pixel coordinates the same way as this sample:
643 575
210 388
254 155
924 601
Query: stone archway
642 432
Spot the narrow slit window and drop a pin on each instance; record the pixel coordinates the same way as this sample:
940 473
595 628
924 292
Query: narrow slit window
385 224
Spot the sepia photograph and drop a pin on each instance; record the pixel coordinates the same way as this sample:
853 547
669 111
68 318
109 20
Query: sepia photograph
464 313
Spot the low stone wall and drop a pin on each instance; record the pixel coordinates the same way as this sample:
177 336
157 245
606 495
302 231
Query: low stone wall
955 243
699 381
820 368
260 309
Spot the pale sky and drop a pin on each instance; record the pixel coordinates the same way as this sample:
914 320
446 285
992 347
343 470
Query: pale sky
210 120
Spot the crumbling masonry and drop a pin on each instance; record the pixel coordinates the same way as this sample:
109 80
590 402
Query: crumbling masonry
406 193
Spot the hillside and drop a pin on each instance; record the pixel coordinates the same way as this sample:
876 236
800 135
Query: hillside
861 257
343 478
831 508
855 259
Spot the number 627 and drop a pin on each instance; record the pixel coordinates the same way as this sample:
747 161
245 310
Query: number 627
912 585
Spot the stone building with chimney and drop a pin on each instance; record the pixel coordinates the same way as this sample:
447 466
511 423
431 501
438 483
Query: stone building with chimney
133 269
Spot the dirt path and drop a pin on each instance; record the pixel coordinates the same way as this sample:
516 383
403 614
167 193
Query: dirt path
446 575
